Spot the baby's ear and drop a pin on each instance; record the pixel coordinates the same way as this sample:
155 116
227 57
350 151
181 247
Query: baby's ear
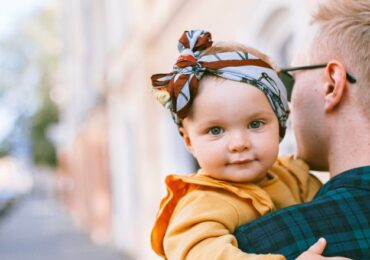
187 140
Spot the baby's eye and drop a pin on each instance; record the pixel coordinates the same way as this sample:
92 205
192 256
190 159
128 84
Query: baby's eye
215 130
255 124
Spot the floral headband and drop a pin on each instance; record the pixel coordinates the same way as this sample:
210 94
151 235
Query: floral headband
176 90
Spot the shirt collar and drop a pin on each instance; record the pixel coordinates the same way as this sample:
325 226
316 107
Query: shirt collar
357 178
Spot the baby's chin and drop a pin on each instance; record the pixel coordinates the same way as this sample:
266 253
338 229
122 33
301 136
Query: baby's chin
239 177
251 174
248 179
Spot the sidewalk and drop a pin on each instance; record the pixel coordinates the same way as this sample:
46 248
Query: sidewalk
37 228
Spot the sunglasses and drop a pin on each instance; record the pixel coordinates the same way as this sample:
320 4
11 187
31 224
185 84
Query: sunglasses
288 79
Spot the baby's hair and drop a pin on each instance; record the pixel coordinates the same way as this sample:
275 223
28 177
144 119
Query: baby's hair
218 47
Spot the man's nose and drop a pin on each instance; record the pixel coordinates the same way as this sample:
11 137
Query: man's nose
239 141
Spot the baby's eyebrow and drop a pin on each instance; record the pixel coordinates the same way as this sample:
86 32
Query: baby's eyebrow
210 123
261 113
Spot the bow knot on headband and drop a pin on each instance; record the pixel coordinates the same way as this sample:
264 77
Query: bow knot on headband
176 90
186 55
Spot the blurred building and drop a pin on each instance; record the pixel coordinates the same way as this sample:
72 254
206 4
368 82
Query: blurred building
115 143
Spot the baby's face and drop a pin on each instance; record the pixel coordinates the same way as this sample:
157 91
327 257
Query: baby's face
232 130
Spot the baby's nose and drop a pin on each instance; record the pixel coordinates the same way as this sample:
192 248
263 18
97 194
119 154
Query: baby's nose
239 141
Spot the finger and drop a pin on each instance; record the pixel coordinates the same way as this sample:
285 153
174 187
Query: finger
318 247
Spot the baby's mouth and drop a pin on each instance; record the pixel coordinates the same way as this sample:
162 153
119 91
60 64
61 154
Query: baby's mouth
240 161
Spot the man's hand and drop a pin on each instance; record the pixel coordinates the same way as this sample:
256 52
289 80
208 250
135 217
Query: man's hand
316 250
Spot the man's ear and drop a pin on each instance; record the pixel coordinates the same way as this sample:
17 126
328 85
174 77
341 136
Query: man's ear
335 84
187 140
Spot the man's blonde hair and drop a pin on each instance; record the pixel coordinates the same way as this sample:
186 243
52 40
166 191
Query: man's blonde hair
343 33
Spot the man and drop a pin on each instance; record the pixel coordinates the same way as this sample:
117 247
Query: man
331 119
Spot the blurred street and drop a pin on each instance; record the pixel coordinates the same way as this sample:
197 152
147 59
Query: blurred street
36 227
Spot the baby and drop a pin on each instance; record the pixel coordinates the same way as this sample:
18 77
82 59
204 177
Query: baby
231 109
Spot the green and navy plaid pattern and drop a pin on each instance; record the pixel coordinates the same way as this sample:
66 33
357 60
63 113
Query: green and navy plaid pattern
340 212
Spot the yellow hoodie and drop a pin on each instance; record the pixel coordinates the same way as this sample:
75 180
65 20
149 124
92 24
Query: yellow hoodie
199 214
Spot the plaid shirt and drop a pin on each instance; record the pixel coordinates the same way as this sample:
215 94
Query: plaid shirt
340 212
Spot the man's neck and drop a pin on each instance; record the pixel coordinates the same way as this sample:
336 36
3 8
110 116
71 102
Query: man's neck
349 149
